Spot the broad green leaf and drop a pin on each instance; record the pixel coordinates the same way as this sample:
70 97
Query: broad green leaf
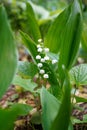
70 37
26 69
78 75
62 119
27 84
9 116
30 44
64 30
54 36
44 25
8 58
50 107
32 23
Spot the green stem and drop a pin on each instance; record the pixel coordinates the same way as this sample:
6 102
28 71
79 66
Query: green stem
74 93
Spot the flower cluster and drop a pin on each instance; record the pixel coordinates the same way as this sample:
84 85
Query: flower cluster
41 50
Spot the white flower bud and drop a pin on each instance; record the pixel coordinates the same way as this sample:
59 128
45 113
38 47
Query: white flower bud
38 57
46 76
46 58
46 49
38 46
42 71
42 60
39 65
54 61
39 40
40 50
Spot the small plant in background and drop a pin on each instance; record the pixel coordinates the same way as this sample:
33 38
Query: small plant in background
53 57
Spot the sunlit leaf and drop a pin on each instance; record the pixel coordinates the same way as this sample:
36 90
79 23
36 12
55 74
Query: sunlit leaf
8 58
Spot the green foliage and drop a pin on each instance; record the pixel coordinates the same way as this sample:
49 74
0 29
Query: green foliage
69 24
32 23
78 75
84 31
8 116
8 57
26 69
30 44
84 36
62 119
62 40
27 84
50 107
71 37
67 30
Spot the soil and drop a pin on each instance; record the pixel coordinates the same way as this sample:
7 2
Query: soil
24 123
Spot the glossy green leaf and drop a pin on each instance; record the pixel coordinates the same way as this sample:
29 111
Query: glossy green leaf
26 69
62 119
27 84
9 116
8 58
32 23
78 75
50 107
